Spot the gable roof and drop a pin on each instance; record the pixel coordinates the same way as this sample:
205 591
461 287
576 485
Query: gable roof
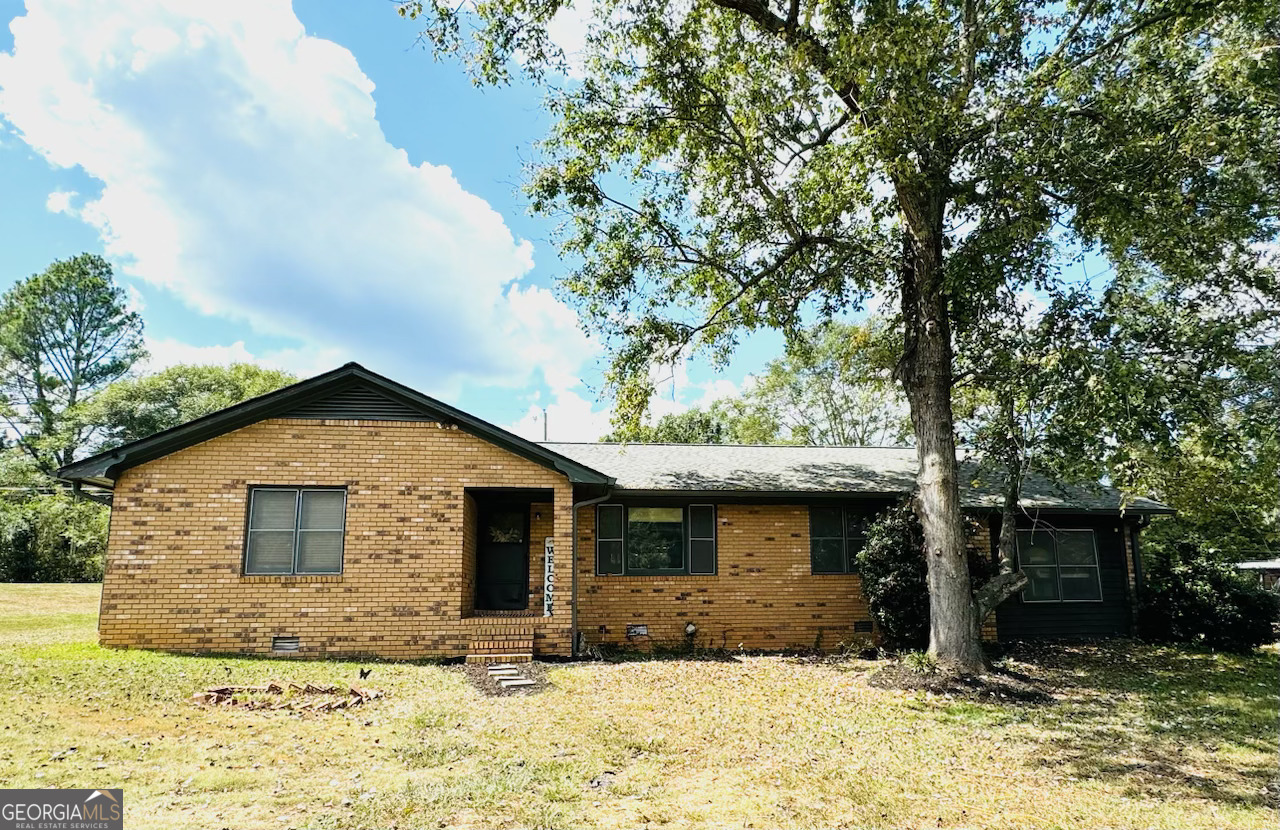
354 392
781 470
350 391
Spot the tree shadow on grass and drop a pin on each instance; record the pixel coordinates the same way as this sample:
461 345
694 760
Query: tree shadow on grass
1170 722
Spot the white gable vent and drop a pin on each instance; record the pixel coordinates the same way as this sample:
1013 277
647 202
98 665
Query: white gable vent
284 644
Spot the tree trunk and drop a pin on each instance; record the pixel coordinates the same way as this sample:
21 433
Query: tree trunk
926 374
1010 580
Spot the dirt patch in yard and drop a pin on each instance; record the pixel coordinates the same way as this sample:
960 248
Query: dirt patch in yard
293 697
478 674
999 686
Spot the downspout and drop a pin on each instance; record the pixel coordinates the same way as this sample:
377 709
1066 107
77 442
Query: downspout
573 576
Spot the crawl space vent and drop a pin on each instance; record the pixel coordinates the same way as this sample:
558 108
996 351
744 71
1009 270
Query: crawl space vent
862 627
284 643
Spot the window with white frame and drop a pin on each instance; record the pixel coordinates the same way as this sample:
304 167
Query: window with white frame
1061 565
295 530
656 540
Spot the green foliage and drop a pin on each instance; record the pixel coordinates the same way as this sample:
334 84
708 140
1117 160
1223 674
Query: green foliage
1225 494
1160 389
1190 595
137 407
696 426
52 537
920 662
1218 383
893 572
832 386
724 167
67 342
46 535
64 334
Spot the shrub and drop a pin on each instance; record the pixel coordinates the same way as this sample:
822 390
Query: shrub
894 577
52 537
1191 597
920 662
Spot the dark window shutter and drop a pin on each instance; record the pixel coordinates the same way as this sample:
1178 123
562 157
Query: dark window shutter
702 539
609 524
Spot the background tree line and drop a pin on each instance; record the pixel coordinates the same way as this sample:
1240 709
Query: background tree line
71 353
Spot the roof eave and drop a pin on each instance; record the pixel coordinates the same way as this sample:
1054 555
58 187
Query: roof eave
801 495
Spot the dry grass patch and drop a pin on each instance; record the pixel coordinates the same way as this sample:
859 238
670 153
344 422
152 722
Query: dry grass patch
34 614
1136 737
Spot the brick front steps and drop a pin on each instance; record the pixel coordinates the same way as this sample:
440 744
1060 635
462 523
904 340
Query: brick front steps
500 640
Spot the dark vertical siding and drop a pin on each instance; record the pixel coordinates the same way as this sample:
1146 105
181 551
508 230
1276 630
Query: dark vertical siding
1018 620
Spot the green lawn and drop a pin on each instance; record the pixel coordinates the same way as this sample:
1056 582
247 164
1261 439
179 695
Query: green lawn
1139 737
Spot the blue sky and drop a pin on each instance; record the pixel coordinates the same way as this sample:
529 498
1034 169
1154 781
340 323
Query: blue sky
300 186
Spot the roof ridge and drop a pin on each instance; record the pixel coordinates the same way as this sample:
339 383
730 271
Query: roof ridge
762 446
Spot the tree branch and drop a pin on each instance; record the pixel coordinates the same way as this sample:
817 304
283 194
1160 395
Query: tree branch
803 41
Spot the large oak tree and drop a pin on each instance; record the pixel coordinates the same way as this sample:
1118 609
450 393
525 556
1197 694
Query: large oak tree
729 165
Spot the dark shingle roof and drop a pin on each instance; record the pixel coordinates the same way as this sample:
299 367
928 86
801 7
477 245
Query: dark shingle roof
744 469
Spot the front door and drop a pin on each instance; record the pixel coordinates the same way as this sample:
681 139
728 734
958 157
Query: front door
502 558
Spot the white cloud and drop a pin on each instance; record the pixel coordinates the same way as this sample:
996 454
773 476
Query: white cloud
134 301
568 30
243 168
717 389
165 352
59 201
675 393
570 417
1030 306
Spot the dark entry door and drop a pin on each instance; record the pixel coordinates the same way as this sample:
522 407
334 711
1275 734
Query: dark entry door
502 558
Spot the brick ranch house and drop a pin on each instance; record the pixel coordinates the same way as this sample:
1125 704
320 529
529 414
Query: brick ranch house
350 515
